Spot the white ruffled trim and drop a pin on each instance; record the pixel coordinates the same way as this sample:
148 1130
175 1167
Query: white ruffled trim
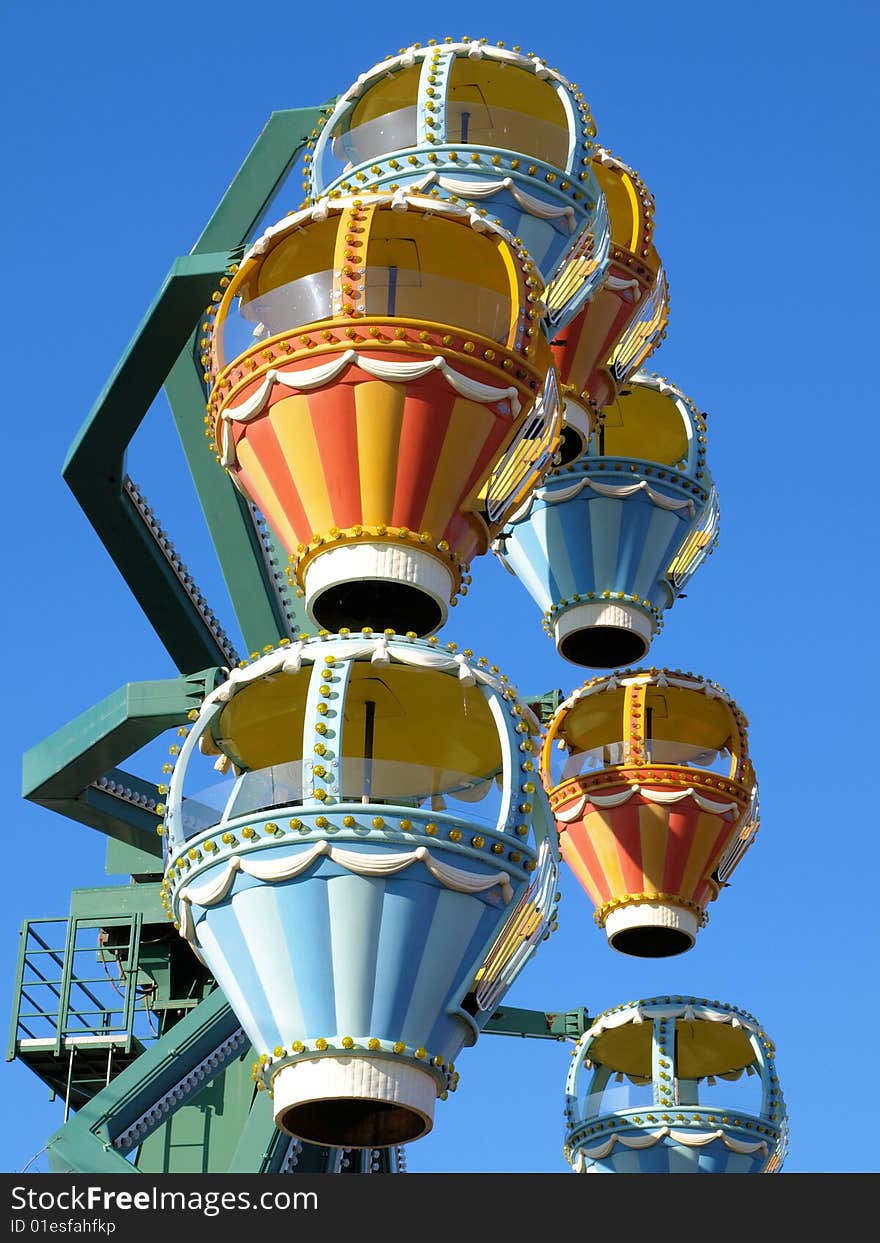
651 796
556 496
486 189
325 373
359 862
687 1011
689 1139
291 658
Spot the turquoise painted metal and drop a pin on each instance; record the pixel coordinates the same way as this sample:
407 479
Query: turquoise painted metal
609 541
670 1052
363 886
491 128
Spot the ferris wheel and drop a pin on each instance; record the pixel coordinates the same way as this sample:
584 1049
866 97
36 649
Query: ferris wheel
354 846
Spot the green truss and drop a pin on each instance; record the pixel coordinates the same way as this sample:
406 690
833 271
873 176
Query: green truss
186 1103
163 351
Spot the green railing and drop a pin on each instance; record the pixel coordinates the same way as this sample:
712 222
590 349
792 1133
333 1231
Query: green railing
81 1009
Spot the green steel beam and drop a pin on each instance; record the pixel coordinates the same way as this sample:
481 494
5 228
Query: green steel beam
261 1146
235 538
123 859
538 1024
61 771
134 382
95 470
545 705
19 980
260 177
113 901
264 612
84 1144
203 1134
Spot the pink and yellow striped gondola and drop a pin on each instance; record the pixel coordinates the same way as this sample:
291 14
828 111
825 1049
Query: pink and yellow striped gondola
374 362
655 800
624 321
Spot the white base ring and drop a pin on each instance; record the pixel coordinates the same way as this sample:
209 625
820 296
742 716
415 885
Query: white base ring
662 916
390 1101
614 615
380 562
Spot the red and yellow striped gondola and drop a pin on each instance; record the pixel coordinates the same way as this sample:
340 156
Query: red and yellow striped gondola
624 321
655 800
374 361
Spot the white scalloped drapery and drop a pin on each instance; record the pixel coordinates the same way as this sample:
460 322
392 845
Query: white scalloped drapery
689 1139
381 369
486 189
686 1011
651 796
360 862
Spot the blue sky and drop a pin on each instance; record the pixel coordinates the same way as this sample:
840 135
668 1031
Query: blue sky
750 124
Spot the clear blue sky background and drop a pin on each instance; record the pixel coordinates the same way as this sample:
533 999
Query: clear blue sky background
755 126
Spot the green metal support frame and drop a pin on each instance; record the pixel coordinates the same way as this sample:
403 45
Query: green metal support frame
85 1143
95 469
64 771
75 771
96 1139
162 352
538 1025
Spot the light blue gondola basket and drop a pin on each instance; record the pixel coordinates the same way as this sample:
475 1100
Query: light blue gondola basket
607 543
466 149
361 940
674 1050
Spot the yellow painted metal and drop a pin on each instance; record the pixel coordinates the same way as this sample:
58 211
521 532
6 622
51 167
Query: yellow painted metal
260 486
423 718
702 1048
379 408
469 426
654 842
295 432
299 254
388 95
629 201
647 425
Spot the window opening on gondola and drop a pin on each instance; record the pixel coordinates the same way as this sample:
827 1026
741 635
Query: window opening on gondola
645 424
473 107
657 707
490 105
369 723
685 730
401 270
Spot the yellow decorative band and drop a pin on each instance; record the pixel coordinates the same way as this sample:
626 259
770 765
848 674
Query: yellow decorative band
406 335
359 534
646 273
268 1065
571 392
643 603
637 899
708 786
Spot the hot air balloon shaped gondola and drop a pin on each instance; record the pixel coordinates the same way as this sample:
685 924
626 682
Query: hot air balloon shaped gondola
374 361
643 1094
625 319
655 800
487 126
607 543
365 873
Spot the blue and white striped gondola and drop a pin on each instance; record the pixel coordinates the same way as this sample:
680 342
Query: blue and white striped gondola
643 1097
488 127
374 868
608 542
